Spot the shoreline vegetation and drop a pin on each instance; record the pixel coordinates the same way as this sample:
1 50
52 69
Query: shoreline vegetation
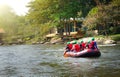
101 40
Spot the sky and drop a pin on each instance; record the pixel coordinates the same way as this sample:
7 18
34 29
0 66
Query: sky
18 6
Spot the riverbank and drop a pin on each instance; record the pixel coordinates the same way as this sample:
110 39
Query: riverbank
112 39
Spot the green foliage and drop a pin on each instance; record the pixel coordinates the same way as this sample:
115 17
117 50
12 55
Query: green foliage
85 6
91 19
42 11
115 37
102 16
116 2
93 11
44 29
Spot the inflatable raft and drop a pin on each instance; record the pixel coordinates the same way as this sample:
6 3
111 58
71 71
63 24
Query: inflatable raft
84 53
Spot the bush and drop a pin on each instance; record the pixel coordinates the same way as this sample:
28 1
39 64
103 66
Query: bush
115 37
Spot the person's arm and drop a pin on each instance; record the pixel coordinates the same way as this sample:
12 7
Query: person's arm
73 48
96 45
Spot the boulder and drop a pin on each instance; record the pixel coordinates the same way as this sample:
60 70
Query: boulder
54 41
109 42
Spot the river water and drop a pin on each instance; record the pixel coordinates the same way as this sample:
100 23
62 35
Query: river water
48 61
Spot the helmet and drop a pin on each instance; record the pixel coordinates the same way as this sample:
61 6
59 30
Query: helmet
74 42
81 41
68 42
93 38
88 41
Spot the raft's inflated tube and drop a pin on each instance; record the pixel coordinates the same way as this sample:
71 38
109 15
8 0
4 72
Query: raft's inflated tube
84 53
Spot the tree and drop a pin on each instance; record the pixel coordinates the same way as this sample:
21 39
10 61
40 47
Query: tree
103 16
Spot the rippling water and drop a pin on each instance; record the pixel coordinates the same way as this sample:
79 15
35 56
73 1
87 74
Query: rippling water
48 61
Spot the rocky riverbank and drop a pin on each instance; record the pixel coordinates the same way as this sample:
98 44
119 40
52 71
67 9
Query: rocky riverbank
102 40
99 40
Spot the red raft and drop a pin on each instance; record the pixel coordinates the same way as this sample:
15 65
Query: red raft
84 53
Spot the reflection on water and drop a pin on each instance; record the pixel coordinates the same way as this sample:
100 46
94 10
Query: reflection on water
48 61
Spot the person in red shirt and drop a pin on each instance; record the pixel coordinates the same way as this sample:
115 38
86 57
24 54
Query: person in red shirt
76 47
83 45
69 46
88 44
93 44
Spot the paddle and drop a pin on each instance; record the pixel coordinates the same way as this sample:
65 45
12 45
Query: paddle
64 53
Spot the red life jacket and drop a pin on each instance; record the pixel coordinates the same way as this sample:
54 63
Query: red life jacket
70 46
83 46
92 45
77 47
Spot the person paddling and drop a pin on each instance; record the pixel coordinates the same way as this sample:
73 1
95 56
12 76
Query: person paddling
88 44
76 47
93 44
83 45
69 46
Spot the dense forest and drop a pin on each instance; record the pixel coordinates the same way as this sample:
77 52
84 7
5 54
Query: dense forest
103 15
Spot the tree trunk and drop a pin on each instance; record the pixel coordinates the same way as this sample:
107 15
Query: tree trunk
69 27
74 24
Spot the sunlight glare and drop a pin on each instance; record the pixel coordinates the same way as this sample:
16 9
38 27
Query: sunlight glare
19 6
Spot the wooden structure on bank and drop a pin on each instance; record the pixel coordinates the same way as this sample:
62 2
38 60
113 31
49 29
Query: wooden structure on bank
68 28
71 28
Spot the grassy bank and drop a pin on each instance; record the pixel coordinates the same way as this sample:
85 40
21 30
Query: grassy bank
115 37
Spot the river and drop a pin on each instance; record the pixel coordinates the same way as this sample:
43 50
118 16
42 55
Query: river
48 61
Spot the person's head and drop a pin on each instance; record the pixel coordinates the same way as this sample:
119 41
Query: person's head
74 42
81 41
92 38
88 41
